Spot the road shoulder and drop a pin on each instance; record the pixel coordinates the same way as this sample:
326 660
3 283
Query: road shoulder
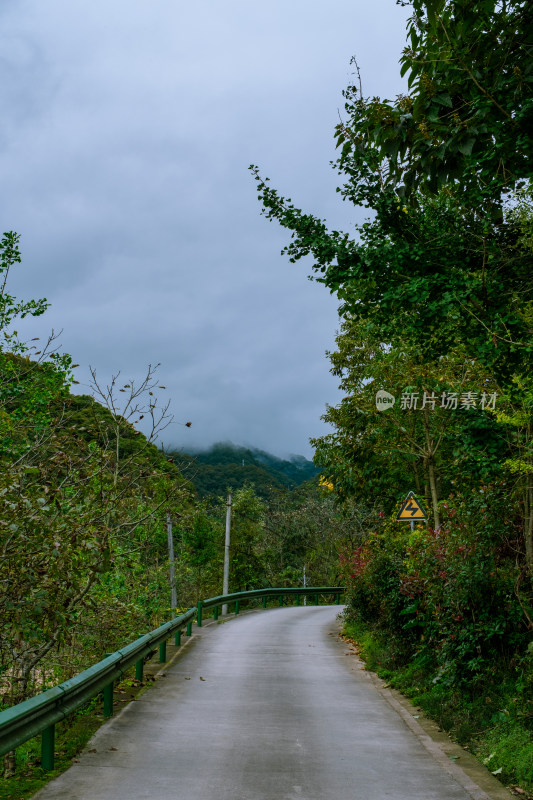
465 768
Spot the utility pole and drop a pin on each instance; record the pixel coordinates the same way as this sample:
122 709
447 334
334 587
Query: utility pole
225 584
172 571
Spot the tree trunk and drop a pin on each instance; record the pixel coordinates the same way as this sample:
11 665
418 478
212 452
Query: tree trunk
417 479
430 461
528 523
434 495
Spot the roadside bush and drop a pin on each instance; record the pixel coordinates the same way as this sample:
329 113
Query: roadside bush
444 617
449 595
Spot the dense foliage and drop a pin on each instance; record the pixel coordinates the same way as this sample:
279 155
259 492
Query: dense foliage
83 499
436 291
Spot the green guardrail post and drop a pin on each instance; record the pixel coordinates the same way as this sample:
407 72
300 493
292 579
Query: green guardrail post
281 599
163 652
189 629
215 612
316 599
337 599
237 606
297 599
199 614
264 601
177 638
108 700
48 740
139 667
108 696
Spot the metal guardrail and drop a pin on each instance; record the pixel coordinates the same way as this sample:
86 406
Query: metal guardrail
39 714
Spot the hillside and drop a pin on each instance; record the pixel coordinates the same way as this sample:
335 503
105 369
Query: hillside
227 466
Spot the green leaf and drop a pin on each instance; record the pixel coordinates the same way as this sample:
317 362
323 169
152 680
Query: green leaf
444 99
466 146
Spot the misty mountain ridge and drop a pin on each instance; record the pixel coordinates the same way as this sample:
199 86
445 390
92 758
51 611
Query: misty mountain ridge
225 465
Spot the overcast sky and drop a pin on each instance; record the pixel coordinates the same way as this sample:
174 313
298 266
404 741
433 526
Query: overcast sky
126 132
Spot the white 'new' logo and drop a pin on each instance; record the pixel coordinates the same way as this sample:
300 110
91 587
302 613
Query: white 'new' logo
384 400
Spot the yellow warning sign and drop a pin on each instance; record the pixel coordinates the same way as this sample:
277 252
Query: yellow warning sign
411 509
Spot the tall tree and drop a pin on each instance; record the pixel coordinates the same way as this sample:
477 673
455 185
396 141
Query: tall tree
443 265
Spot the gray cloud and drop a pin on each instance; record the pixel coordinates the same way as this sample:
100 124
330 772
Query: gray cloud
126 133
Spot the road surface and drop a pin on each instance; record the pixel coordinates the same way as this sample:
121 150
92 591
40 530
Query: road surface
267 706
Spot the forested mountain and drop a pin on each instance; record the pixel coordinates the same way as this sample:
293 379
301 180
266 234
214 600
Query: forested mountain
228 466
91 494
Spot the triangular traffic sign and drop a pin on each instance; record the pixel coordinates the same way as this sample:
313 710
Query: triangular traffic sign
411 509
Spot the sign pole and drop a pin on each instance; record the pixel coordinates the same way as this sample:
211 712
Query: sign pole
225 584
172 570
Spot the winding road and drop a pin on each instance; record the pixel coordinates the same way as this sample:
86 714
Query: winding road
266 706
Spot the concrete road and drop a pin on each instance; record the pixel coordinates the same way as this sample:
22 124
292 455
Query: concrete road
266 706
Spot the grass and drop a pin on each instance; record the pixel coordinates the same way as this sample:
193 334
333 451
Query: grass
71 737
493 718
